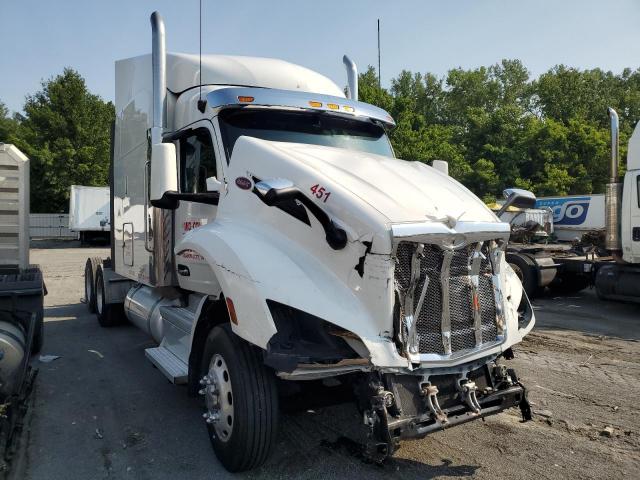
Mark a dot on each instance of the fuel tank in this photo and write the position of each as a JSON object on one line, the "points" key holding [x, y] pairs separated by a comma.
{"points": [[12, 351], [142, 307]]}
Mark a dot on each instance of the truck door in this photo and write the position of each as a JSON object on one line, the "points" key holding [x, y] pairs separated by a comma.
{"points": [[197, 162]]}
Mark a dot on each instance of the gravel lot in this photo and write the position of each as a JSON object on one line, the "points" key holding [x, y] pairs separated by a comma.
{"points": [[101, 410]]}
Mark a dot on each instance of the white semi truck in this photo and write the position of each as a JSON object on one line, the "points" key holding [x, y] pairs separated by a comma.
{"points": [[263, 233], [89, 213]]}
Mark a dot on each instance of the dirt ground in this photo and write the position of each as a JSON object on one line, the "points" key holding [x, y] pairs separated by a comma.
{"points": [[102, 411]]}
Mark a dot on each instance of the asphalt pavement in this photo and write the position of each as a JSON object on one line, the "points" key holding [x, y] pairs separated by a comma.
{"points": [[101, 410]]}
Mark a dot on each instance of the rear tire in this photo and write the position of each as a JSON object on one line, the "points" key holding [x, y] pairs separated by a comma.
{"points": [[246, 403], [569, 283], [526, 270], [109, 314], [90, 269]]}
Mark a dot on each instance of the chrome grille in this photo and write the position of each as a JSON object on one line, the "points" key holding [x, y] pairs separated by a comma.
{"points": [[467, 330]]}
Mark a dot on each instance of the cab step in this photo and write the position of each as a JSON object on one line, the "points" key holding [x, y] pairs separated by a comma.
{"points": [[171, 366]]}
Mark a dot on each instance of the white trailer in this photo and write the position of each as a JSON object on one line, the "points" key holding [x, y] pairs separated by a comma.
{"points": [[263, 229], [90, 213], [575, 215]]}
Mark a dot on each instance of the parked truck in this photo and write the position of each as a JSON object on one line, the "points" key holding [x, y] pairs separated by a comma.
{"points": [[265, 236], [90, 213], [618, 277], [21, 299], [536, 255], [603, 233]]}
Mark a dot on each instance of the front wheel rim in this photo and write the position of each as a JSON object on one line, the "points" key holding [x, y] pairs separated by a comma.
{"points": [[219, 400]]}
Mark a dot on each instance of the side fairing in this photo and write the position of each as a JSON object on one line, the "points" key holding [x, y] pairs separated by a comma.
{"points": [[253, 264], [261, 253]]}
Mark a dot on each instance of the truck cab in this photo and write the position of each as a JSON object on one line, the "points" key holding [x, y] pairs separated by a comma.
{"points": [[619, 278], [263, 229]]}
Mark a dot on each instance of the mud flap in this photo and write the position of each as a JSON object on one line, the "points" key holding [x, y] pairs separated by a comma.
{"points": [[525, 406]]}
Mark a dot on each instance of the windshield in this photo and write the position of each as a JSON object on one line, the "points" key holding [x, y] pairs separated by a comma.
{"points": [[314, 128]]}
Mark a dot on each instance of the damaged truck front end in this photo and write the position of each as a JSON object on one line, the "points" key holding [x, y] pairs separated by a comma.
{"points": [[344, 262], [457, 310], [444, 311]]}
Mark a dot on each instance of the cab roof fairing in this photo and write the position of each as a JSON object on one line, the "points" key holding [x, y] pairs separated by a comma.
{"points": [[268, 97]]}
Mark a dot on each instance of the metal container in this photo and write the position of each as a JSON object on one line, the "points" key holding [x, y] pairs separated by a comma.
{"points": [[142, 307], [14, 208]]}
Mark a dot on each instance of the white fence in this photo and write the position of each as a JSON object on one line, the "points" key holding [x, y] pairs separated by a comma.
{"points": [[50, 225]]}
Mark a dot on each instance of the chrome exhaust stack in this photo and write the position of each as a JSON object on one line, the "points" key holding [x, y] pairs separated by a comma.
{"points": [[159, 75], [352, 78], [613, 194]]}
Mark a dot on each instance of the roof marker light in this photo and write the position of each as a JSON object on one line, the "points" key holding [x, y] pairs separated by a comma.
{"points": [[245, 99], [349, 109], [315, 104], [333, 106]]}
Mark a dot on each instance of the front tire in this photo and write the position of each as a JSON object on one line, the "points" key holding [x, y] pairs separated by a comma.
{"points": [[241, 401]]}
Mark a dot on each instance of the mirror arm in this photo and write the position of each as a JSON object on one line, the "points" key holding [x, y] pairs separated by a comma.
{"points": [[506, 205], [170, 200], [336, 237]]}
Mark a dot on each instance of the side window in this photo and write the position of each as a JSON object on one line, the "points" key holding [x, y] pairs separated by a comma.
{"points": [[197, 162]]}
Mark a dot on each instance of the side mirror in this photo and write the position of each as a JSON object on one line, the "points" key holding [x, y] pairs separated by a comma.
{"points": [[275, 190], [441, 165], [213, 184], [517, 197], [164, 175]]}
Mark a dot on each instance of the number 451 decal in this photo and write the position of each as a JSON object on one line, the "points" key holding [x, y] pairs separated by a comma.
{"points": [[320, 192]]}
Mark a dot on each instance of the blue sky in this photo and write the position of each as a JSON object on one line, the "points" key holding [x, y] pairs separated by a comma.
{"points": [[39, 38]]}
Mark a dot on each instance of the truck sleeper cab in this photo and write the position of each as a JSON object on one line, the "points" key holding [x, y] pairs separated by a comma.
{"points": [[263, 229]]}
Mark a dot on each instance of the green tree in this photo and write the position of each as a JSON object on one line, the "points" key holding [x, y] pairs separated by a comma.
{"points": [[499, 128], [8, 125], [66, 133]]}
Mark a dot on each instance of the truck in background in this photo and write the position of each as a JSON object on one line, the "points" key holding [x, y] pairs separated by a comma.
{"points": [[90, 214], [21, 297], [539, 260], [604, 231], [264, 235], [575, 215], [618, 277]]}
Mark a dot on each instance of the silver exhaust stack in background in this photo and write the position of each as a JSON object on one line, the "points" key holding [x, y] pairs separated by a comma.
{"points": [[159, 73], [352, 78], [613, 194], [160, 235]]}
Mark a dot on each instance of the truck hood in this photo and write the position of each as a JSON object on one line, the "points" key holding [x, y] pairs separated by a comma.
{"points": [[402, 191]]}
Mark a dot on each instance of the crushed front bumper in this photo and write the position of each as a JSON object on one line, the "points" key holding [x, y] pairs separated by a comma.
{"points": [[408, 406]]}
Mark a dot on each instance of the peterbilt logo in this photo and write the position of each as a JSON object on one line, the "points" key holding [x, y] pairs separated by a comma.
{"points": [[243, 182], [567, 211]]}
